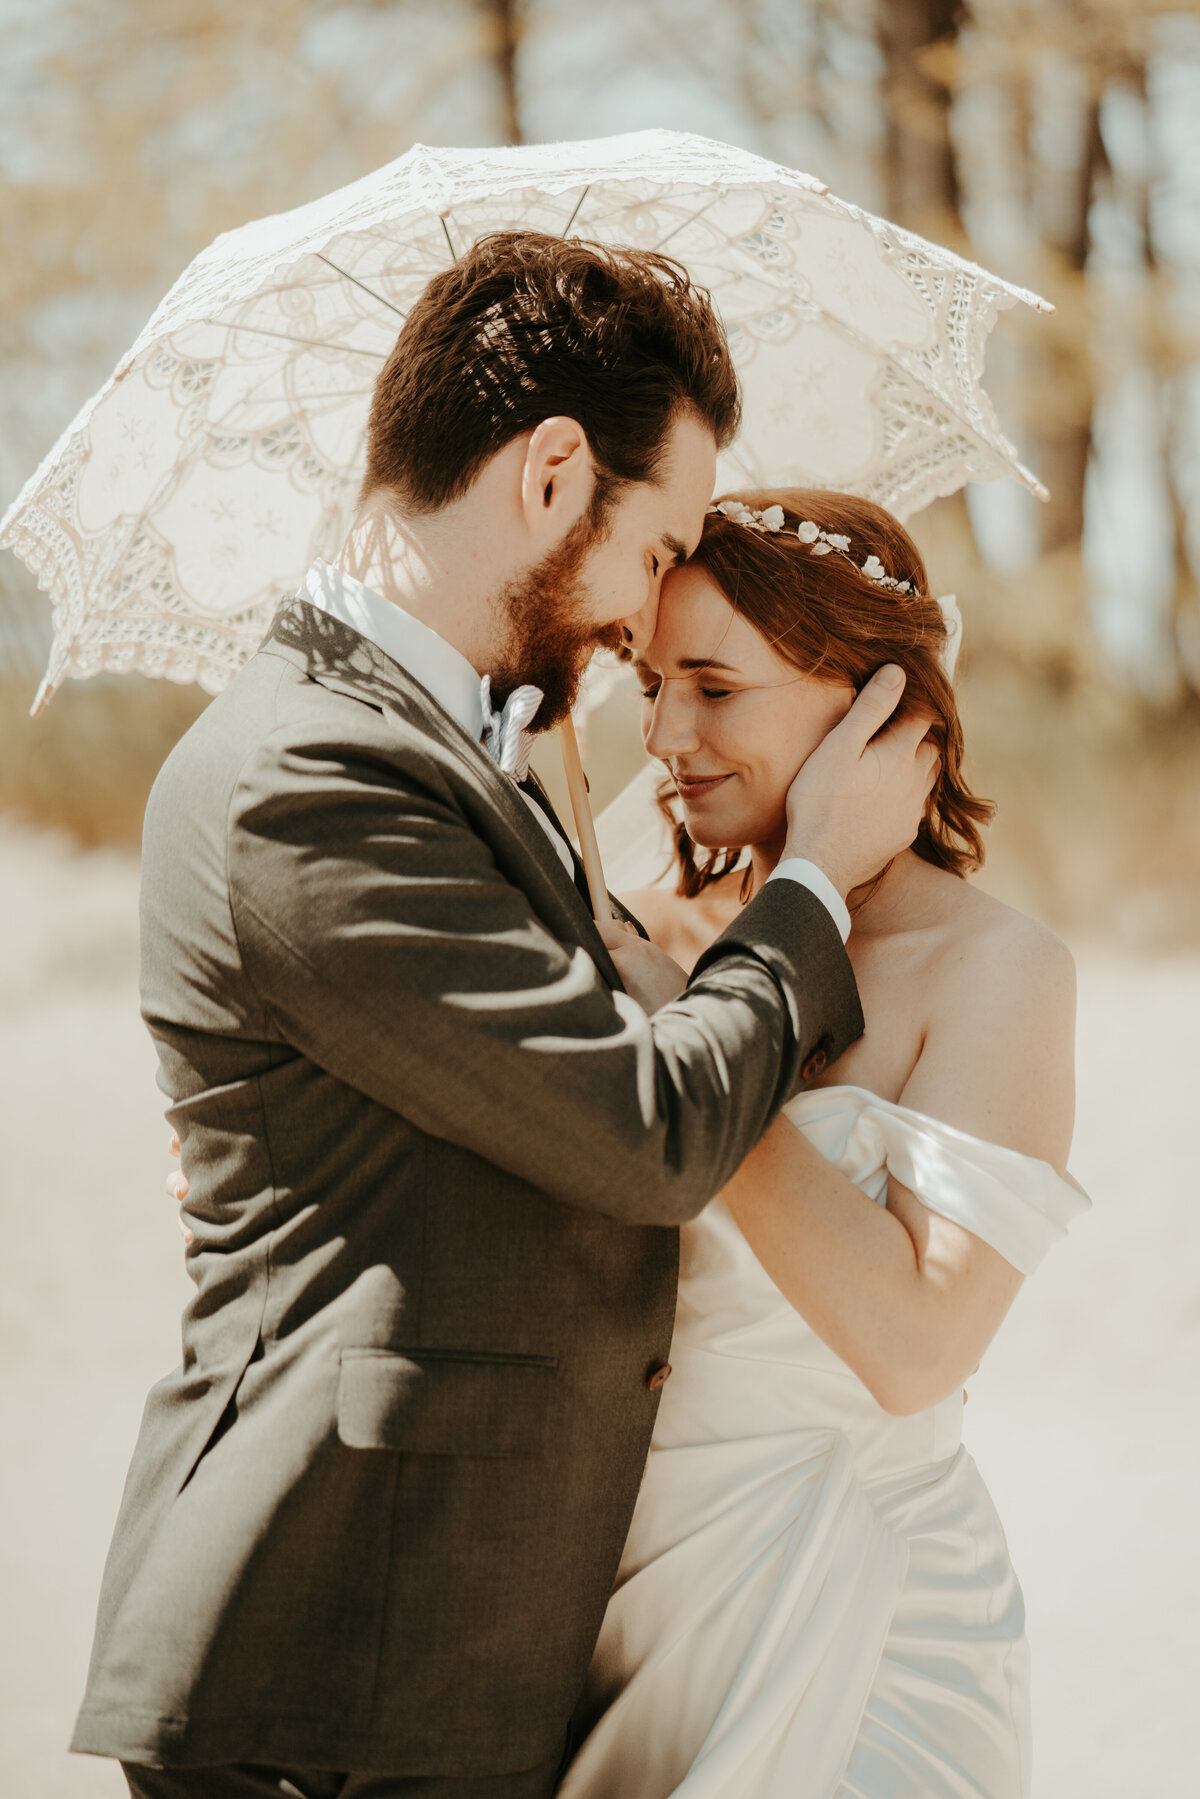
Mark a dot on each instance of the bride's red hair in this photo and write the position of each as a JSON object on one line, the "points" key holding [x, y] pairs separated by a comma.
{"points": [[825, 617]]}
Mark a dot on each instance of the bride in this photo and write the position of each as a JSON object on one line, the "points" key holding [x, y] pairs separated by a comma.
{"points": [[816, 1597]]}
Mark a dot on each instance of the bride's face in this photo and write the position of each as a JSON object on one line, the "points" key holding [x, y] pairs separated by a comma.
{"points": [[730, 718]]}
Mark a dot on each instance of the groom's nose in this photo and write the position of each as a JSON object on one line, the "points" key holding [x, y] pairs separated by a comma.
{"points": [[637, 628]]}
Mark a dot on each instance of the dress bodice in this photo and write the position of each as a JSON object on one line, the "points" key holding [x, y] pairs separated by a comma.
{"points": [[731, 1312]]}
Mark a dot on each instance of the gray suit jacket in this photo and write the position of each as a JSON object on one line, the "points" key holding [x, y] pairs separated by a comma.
{"points": [[436, 1157]]}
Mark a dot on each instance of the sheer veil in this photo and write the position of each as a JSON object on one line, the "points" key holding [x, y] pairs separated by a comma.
{"points": [[634, 837]]}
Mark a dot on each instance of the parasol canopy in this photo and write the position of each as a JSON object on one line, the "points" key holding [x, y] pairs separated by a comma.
{"points": [[191, 493]]}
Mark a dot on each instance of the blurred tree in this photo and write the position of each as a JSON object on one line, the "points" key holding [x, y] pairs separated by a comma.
{"points": [[1075, 137], [922, 185], [506, 18]]}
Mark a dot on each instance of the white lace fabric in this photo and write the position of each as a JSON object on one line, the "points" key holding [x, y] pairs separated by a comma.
{"points": [[224, 455]]}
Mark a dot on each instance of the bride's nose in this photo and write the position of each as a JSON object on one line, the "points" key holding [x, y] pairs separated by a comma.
{"points": [[670, 729]]}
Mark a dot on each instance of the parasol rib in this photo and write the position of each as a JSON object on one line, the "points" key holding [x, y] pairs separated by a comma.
{"points": [[369, 291], [691, 219], [583, 196], [310, 343]]}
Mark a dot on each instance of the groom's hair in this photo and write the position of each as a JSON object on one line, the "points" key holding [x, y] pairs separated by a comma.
{"points": [[526, 327]]}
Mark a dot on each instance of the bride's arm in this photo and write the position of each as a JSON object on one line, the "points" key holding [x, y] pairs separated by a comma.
{"points": [[907, 1298]]}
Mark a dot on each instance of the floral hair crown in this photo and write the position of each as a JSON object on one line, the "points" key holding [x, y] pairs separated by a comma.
{"points": [[819, 542]]}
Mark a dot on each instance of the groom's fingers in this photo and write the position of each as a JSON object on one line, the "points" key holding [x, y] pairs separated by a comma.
{"points": [[908, 741], [873, 707], [910, 730]]}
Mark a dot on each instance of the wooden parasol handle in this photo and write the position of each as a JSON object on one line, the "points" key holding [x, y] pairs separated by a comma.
{"points": [[589, 849]]}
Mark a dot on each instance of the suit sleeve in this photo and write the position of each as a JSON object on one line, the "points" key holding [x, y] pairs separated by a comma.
{"points": [[388, 948]]}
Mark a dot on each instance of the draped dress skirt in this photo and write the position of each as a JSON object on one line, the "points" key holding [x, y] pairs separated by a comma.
{"points": [[816, 1599]]}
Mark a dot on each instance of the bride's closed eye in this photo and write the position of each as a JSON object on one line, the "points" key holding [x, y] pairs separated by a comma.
{"points": [[718, 693], [651, 691]]}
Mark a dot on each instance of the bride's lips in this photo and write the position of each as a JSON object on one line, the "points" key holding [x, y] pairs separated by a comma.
{"points": [[696, 787]]}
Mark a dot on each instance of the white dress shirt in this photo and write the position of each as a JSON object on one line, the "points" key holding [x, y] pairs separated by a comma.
{"points": [[445, 673]]}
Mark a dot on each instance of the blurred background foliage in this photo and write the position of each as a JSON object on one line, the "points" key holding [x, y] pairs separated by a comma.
{"points": [[1057, 142]]}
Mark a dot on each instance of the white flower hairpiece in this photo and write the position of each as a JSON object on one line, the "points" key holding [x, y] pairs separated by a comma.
{"points": [[819, 542], [769, 520]]}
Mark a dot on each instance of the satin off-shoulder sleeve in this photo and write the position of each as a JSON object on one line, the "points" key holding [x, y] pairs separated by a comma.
{"points": [[1017, 1204]]}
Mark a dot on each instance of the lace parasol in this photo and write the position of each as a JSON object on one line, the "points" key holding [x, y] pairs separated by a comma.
{"points": [[193, 490]]}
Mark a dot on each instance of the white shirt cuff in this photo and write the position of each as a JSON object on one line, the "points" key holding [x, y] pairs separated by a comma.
{"points": [[795, 868]]}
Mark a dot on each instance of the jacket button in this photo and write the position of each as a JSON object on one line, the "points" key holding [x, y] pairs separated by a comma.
{"points": [[814, 1066], [658, 1377]]}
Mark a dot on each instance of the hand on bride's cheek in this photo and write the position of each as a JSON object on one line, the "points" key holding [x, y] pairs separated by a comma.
{"points": [[730, 717]]}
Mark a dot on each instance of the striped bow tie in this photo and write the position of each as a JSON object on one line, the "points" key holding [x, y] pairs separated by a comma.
{"points": [[506, 736]]}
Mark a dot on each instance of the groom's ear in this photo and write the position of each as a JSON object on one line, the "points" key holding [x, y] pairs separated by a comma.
{"points": [[557, 479]]}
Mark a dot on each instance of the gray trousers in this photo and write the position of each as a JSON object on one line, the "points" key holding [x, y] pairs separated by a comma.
{"points": [[244, 1780]]}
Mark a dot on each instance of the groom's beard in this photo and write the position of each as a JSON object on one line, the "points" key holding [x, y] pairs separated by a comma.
{"points": [[550, 640]]}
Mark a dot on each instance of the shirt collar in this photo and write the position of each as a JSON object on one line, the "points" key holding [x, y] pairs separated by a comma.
{"points": [[415, 646]]}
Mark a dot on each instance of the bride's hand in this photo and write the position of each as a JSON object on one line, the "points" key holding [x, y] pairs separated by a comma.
{"points": [[649, 974], [177, 1186]]}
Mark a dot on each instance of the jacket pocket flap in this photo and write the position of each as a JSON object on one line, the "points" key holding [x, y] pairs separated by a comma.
{"points": [[444, 1402]]}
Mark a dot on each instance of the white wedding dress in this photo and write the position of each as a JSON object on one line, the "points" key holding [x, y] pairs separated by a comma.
{"points": [[816, 1599]]}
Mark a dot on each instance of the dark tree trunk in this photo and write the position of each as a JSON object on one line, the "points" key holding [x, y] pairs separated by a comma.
{"points": [[920, 159], [504, 18]]}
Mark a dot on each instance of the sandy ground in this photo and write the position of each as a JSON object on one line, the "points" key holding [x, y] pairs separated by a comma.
{"points": [[1083, 1419]]}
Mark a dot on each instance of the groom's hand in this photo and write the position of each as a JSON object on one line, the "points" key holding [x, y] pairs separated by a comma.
{"points": [[859, 798]]}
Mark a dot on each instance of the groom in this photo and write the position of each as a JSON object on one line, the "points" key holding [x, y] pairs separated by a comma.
{"points": [[435, 1148]]}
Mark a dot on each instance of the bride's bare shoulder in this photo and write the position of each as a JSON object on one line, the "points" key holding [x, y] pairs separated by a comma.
{"points": [[998, 1051], [981, 932]]}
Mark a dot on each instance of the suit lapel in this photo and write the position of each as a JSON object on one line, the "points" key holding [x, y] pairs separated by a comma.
{"points": [[621, 911], [345, 662], [537, 793]]}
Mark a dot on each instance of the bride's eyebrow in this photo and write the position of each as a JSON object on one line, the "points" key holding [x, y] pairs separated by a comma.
{"points": [[688, 663]]}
